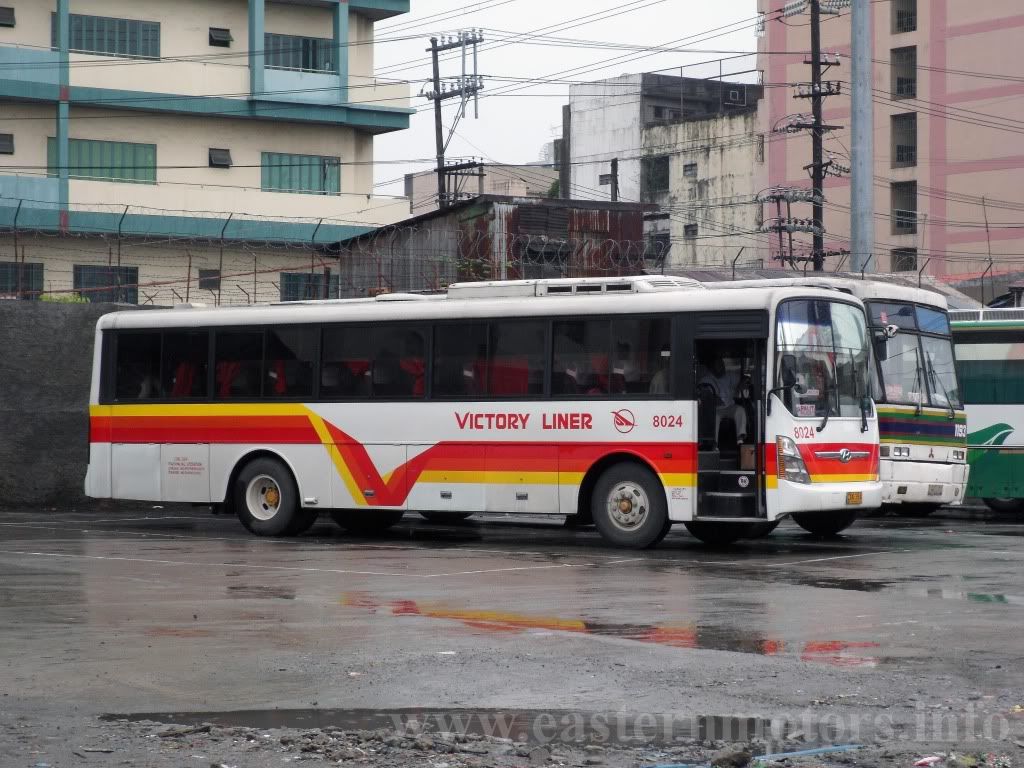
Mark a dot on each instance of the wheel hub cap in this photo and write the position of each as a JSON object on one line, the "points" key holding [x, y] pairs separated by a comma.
{"points": [[628, 506], [263, 497]]}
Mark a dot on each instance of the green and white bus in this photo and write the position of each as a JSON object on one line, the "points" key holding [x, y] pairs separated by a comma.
{"points": [[989, 346]]}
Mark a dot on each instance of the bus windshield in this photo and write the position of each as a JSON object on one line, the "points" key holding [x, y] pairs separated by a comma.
{"points": [[916, 366], [821, 358]]}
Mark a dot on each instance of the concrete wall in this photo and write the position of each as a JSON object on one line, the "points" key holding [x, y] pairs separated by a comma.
{"points": [[184, 180], [184, 33], [968, 145], [606, 123], [44, 400], [729, 154], [249, 274]]}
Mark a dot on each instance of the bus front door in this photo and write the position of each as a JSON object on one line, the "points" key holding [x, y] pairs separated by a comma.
{"points": [[729, 376]]}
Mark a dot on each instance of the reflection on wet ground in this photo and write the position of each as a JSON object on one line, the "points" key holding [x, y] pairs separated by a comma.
{"points": [[131, 612], [691, 636]]}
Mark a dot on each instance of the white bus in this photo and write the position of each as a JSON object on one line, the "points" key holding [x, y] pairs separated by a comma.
{"points": [[921, 417], [632, 402]]}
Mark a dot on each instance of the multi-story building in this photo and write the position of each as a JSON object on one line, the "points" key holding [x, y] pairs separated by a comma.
{"points": [[228, 137], [689, 146], [948, 117]]}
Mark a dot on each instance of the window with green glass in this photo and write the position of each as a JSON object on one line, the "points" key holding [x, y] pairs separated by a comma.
{"points": [[106, 160], [310, 174], [110, 36], [305, 54]]}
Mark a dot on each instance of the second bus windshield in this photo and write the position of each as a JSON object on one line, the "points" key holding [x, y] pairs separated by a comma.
{"points": [[916, 367]]}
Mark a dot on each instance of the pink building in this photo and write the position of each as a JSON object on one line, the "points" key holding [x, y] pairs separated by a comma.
{"points": [[949, 130]]}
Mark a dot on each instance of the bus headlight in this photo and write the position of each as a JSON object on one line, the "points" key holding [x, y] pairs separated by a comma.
{"points": [[791, 466], [959, 455]]}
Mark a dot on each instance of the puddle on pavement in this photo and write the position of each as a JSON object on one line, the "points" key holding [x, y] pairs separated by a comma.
{"points": [[256, 591], [842, 653], [531, 726]]}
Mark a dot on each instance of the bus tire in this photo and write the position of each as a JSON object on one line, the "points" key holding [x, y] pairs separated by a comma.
{"points": [[267, 498], [446, 517], [365, 521], [916, 510], [629, 506], [761, 530], [717, 534], [1005, 505], [824, 524], [305, 520]]}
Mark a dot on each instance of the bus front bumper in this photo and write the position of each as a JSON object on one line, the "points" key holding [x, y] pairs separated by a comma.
{"points": [[920, 482], [823, 497]]}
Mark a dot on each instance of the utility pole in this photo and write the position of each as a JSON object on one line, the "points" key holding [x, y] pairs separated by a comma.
{"points": [[615, 179], [817, 90], [817, 169], [467, 86], [438, 126], [862, 193]]}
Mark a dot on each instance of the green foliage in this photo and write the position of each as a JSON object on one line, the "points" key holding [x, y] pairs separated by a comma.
{"points": [[63, 298]]}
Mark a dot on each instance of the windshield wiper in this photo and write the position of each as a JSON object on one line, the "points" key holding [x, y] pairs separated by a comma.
{"points": [[936, 379], [918, 381]]}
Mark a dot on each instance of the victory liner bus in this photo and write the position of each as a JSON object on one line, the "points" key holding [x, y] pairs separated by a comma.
{"points": [[989, 346], [921, 417], [634, 403]]}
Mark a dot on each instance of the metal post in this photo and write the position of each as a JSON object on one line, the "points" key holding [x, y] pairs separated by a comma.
{"points": [[818, 169], [862, 195], [220, 266], [21, 269], [438, 125], [188, 277], [63, 19], [735, 260], [615, 179]]}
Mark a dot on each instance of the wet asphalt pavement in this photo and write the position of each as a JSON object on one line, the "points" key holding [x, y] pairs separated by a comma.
{"points": [[160, 614]]}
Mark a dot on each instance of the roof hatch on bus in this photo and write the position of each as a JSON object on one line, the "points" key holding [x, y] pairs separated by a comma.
{"points": [[583, 286]]}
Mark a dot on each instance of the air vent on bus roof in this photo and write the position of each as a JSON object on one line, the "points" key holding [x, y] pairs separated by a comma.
{"points": [[570, 286]]}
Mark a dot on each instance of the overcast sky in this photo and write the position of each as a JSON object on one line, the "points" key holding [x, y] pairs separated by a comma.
{"points": [[514, 128]]}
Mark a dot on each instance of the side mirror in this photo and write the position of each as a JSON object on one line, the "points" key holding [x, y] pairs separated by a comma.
{"points": [[881, 346]]}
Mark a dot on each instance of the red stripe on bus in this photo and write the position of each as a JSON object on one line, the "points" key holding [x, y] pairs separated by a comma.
{"points": [[203, 429]]}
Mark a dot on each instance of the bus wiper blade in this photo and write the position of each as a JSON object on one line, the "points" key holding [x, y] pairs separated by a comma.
{"points": [[828, 412], [934, 376]]}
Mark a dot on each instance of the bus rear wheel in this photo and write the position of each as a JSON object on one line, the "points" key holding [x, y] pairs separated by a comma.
{"points": [[366, 520], [629, 506], [1005, 505], [266, 499], [824, 524], [717, 534]]}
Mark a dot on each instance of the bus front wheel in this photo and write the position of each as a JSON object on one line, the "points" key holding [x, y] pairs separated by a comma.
{"points": [[629, 506], [1005, 505], [824, 524], [366, 520], [267, 499]]}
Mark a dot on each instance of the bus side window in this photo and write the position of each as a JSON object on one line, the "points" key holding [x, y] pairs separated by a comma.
{"points": [[138, 367], [345, 371], [291, 353], [581, 355], [516, 358], [239, 358], [399, 362], [459, 357], [642, 353], [184, 364]]}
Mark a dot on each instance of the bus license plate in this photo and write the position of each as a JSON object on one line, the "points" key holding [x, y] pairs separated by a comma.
{"points": [[934, 490], [854, 497]]}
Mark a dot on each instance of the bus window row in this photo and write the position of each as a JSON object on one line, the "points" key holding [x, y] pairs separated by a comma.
{"points": [[591, 357]]}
